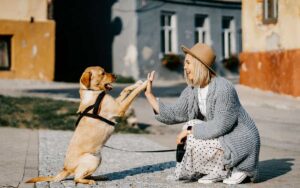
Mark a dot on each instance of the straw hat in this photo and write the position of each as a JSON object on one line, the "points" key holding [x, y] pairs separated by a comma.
{"points": [[203, 53]]}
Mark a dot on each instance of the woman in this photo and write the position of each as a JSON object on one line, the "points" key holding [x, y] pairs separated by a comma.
{"points": [[223, 144]]}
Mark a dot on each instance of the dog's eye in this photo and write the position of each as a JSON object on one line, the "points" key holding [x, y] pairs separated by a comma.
{"points": [[103, 73]]}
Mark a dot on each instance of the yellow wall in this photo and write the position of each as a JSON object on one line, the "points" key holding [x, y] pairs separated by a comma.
{"points": [[32, 49], [23, 9], [282, 36]]}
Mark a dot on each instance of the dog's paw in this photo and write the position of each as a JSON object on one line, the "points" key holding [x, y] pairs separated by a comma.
{"points": [[92, 182], [139, 82], [144, 84]]}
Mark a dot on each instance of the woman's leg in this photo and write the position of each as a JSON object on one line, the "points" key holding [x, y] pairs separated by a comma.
{"points": [[201, 157]]}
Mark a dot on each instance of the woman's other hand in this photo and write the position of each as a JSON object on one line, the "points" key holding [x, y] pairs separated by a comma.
{"points": [[180, 136]]}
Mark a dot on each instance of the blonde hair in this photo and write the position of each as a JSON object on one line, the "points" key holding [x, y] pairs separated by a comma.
{"points": [[202, 75]]}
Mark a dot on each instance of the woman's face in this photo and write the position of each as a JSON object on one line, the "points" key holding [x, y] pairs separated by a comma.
{"points": [[189, 67]]}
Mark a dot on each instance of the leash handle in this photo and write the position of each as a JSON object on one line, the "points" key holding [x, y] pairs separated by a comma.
{"points": [[137, 151]]}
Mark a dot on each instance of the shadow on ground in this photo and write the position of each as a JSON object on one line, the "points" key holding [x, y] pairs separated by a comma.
{"points": [[273, 168], [138, 170]]}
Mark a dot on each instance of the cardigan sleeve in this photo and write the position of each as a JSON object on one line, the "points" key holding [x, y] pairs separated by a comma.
{"points": [[225, 115], [174, 113]]}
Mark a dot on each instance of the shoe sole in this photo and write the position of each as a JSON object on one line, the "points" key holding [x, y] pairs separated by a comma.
{"points": [[240, 180], [210, 181]]}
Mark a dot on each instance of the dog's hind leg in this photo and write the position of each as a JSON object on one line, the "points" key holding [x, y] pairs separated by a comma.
{"points": [[88, 164]]}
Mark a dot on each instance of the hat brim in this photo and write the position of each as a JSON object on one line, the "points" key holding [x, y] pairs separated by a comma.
{"points": [[188, 51]]}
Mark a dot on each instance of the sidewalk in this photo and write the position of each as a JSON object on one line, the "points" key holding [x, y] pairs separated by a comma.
{"points": [[276, 116], [18, 156]]}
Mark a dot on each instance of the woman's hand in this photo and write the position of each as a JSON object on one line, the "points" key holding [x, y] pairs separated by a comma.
{"points": [[149, 95], [180, 136], [150, 78]]}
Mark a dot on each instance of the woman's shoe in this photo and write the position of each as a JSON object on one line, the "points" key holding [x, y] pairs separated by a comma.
{"points": [[236, 177], [210, 179]]}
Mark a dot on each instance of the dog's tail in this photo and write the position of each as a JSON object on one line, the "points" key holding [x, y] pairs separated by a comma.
{"points": [[60, 176]]}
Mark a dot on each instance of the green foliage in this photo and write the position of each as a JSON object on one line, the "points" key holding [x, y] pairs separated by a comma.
{"points": [[232, 63], [172, 61], [125, 79], [39, 113]]}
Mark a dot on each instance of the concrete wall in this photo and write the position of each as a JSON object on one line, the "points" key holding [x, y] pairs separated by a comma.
{"points": [[23, 9], [125, 44], [149, 55], [32, 49], [271, 52]]}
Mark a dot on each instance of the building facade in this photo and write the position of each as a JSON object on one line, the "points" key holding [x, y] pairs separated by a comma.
{"points": [[271, 45], [26, 40], [154, 29]]}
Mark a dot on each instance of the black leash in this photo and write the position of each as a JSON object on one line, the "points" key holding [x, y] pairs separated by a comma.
{"points": [[95, 108], [137, 151]]}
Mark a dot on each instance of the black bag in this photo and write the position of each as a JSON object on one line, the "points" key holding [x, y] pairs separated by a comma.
{"points": [[180, 152]]}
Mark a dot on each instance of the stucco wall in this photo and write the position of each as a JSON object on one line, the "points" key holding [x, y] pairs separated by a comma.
{"points": [[32, 49], [23, 9], [271, 52], [261, 37], [125, 45]]}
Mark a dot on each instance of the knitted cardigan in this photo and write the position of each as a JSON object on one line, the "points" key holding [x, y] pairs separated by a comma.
{"points": [[226, 120]]}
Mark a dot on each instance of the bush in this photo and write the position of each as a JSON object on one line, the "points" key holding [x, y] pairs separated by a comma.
{"points": [[125, 79], [172, 61], [232, 63]]}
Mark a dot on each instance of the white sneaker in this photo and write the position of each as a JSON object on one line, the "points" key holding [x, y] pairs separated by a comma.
{"points": [[210, 179], [235, 178]]}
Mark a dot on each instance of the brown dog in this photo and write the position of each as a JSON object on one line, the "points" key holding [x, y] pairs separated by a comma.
{"points": [[83, 155]]}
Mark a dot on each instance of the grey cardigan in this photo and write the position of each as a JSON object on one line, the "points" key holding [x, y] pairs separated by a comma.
{"points": [[226, 120]]}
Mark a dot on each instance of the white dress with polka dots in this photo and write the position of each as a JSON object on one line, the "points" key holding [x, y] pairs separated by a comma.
{"points": [[202, 157]]}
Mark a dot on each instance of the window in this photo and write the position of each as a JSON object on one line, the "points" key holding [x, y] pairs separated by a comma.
{"points": [[168, 32], [228, 37], [270, 11], [5, 57], [202, 33]]}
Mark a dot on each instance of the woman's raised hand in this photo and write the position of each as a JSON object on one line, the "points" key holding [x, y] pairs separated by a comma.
{"points": [[150, 78], [149, 95]]}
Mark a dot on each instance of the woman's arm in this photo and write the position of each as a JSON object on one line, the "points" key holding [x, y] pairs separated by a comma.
{"points": [[168, 113], [149, 95]]}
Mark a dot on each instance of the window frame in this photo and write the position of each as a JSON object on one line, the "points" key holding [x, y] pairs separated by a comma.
{"points": [[204, 29], [169, 41], [8, 40], [273, 17], [228, 38]]}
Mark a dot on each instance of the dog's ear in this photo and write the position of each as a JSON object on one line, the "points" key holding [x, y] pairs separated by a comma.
{"points": [[85, 79]]}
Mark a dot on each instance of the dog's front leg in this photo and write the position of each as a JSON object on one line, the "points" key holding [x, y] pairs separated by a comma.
{"points": [[124, 105], [125, 92]]}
